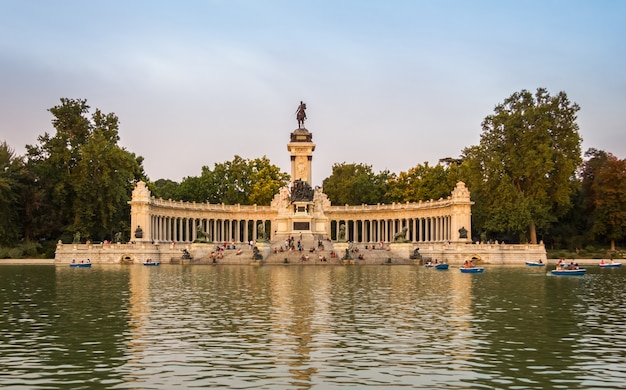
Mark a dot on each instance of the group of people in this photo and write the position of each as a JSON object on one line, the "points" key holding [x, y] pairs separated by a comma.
{"points": [[82, 261], [561, 265], [320, 257], [468, 264], [602, 262]]}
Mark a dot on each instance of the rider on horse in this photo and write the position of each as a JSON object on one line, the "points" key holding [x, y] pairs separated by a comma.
{"points": [[301, 115]]}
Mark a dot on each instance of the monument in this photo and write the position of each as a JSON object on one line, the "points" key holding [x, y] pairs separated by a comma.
{"points": [[439, 228]]}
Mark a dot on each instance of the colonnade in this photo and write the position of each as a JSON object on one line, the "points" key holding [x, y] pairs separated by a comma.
{"points": [[443, 220], [187, 229], [419, 229]]}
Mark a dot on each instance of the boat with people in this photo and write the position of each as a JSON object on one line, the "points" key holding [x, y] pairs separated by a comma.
{"points": [[609, 264], [151, 263], [571, 272], [571, 269], [472, 270], [81, 264], [436, 264], [535, 263]]}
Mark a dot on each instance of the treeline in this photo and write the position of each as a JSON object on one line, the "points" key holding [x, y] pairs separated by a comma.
{"points": [[527, 177]]}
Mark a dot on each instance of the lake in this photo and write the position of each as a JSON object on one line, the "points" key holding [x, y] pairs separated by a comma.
{"points": [[301, 327]]}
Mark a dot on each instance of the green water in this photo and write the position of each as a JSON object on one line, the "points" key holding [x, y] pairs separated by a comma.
{"points": [[299, 327]]}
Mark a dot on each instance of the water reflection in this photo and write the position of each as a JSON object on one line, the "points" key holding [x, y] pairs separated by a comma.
{"points": [[304, 327]]}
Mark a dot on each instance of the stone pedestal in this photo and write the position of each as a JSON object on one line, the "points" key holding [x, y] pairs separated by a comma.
{"points": [[347, 262], [264, 248], [401, 250], [340, 249]]}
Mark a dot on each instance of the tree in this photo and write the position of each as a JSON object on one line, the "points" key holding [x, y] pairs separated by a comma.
{"points": [[604, 186], [266, 181], [424, 182], [11, 172], [240, 181], [523, 169], [356, 184], [83, 177], [164, 188]]}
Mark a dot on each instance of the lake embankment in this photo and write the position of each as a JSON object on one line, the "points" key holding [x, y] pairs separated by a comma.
{"points": [[26, 261], [51, 261]]}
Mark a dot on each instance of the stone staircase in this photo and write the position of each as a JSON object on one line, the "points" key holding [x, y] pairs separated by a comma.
{"points": [[242, 254]]}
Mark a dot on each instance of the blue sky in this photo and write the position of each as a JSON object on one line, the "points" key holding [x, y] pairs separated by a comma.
{"points": [[391, 84]]}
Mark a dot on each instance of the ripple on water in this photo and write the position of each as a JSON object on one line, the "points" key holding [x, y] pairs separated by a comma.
{"points": [[310, 327]]}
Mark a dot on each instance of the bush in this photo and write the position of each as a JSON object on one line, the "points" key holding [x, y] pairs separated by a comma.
{"points": [[31, 249], [16, 253]]}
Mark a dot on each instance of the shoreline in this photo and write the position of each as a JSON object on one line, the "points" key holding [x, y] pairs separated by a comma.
{"points": [[26, 261], [51, 262]]}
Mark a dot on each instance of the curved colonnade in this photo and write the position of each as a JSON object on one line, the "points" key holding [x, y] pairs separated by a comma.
{"points": [[161, 221]]}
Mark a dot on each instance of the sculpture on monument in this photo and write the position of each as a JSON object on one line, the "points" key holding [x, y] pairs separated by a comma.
{"points": [[301, 191], [260, 229], [462, 232], [342, 232], [256, 254], [401, 235], [201, 235], [416, 254], [301, 115]]}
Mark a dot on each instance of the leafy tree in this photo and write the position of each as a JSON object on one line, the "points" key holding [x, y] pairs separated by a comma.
{"points": [[356, 184], [522, 173], [191, 189], [266, 181], [52, 162], [84, 179], [164, 188], [604, 185], [11, 171], [103, 179], [424, 182], [240, 181]]}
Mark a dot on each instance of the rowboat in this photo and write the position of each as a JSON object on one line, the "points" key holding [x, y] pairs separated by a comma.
{"points": [[472, 270], [441, 266], [610, 265], [534, 264], [152, 263], [569, 272], [80, 265]]}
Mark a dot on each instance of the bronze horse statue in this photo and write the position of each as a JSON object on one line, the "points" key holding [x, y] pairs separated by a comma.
{"points": [[301, 115]]}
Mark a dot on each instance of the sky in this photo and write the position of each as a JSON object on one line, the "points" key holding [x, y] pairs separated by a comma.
{"points": [[388, 83]]}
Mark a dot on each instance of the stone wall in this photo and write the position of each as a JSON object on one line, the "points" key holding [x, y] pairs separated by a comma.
{"points": [[393, 253]]}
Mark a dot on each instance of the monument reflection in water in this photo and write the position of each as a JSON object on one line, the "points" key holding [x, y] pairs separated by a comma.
{"points": [[309, 327]]}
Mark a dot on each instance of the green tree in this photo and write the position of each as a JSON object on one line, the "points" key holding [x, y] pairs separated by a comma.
{"points": [[522, 172], [424, 182], [51, 162], [240, 181], [164, 188], [266, 181], [103, 179], [604, 186], [11, 172], [356, 184], [84, 178]]}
